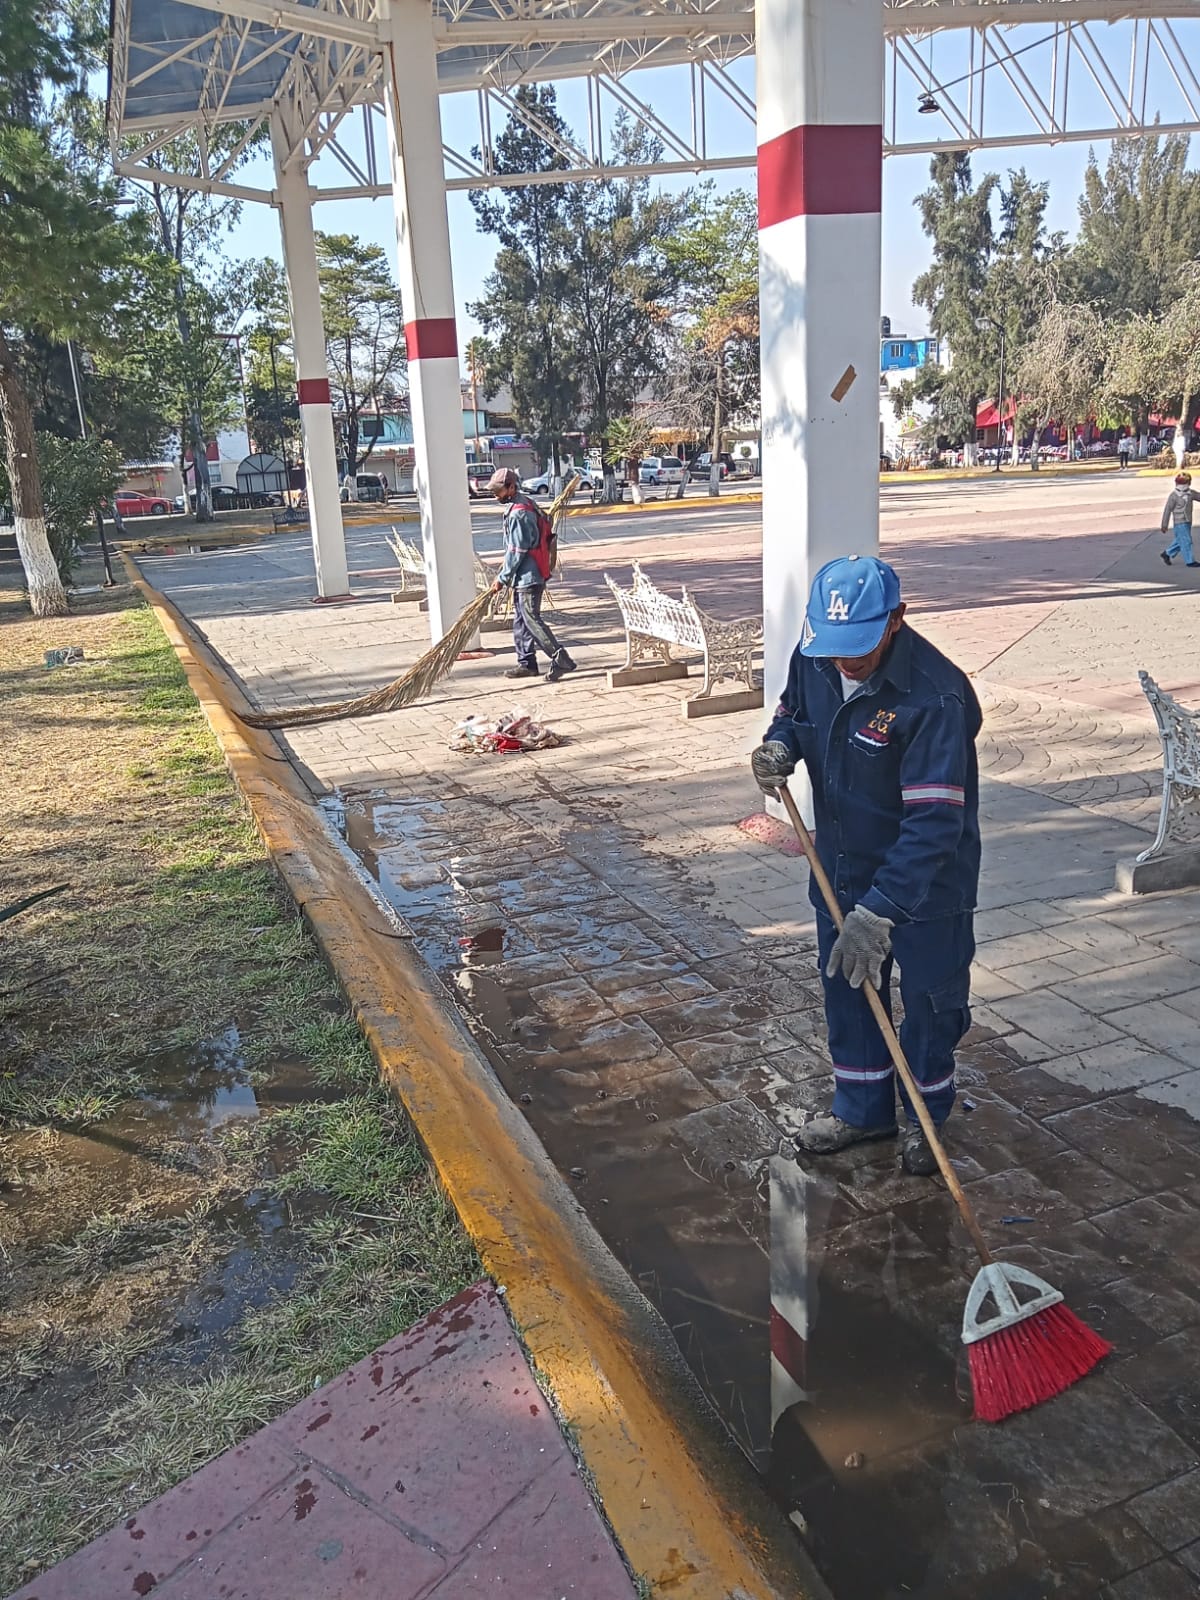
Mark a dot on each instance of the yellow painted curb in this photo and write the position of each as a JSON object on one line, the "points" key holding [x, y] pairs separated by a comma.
{"points": [[688, 1511]]}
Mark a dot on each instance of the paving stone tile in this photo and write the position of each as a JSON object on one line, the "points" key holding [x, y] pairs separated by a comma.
{"points": [[1115, 988], [547, 1544], [987, 985], [997, 1135], [691, 1018], [1001, 924], [1126, 1136], [728, 1141], [1158, 1024], [1015, 1192], [611, 1042], [1026, 976], [1161, 1580], [617, 943], [716, 1052], [1018, 949], [1189, 1558], [1026, 1048], [1057, 1023], [769, 1075], [1089, 1450], [1162, 1306], [1038, 1092], [1160, 1230], [1090, 1186], [1188, 1000], [617, 979], [1183, 1091], [570, 1003], [1170, 1512], [1112, 1068], [332, 1541]]}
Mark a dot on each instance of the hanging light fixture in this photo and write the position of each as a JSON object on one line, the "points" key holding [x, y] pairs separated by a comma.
{"points": [[927, 104]]}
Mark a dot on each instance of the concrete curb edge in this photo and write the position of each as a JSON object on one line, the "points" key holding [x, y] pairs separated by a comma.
{"points": [[687, 1509]]}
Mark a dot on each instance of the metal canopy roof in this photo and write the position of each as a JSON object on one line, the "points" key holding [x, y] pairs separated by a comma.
{"points": [[190, 65]]}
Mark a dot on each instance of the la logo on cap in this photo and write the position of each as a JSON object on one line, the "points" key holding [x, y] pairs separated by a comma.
{"points": [[838, 611]]}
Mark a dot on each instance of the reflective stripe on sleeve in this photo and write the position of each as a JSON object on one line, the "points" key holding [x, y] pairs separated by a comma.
{"points": [[916, 794]]}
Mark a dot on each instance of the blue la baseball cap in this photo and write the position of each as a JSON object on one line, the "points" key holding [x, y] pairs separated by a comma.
{"points": [[851, 601]]}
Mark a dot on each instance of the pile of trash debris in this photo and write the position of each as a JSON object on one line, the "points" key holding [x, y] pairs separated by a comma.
{"points": [[516, 731]]}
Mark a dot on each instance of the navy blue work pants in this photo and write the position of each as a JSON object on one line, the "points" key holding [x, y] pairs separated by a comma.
{"points": [[935, 981], [530, 633]]}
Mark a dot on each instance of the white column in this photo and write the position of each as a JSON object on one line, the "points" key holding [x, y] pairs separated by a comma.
{"points": [[427, 293], [820, 170], [312, 374]]}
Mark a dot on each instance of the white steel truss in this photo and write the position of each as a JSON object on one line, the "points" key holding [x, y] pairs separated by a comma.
{"points": [[960, 74]]}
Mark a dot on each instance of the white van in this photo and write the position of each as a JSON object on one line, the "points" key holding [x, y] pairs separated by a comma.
{"points": [[661, 469]]}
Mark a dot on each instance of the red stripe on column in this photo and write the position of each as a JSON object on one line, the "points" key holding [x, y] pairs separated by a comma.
{"points": [[789, 1349], [431, 338], [823, 170], [312, 391]]}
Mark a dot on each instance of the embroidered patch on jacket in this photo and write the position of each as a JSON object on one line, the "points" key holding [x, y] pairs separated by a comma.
{"points": [[877, 733]]}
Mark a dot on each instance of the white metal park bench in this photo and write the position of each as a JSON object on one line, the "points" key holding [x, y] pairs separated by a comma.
{"points": [[656, 624], [413, 582], [1179, 733]]}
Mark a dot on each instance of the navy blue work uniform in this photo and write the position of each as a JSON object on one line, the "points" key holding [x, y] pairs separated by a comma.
{"points": [[896, 805]]}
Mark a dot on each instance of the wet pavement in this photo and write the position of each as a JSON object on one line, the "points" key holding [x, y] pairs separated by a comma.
{"points": [[663, 1061], [640, 974]]}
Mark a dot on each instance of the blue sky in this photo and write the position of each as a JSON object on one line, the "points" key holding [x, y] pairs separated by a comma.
{"points": [[905, 249]]}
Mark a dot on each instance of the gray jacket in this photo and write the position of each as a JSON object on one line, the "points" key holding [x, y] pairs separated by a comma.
{"points": [[1179, 507], [519, 569]]}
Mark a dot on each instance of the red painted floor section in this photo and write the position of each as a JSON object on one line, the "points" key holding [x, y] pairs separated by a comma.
{"points": [[431, 1469]]}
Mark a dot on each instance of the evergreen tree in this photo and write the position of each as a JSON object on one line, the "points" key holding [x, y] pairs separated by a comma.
{"points": [[364, 335], [524, 305], [1139, 228]]}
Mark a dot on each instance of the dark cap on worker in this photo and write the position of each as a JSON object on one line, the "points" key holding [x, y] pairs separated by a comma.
{"points": [[852, 598], [502, 478]]}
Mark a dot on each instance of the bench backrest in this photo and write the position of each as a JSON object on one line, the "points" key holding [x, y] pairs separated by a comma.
{"points": [[406, 553], [647, 610], [1179, 730]]}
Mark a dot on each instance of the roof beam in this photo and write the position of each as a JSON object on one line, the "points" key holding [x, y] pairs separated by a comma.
{"points": [[943, 14], [291, 16]]}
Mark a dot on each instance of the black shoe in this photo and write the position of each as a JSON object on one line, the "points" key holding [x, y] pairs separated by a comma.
{"points": [[1165, 557], [1192, 563], [825, 1134], [521, 672], [917, 1158], [559, 667]]}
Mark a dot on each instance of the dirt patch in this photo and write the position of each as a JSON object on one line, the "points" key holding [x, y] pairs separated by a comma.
{"points": [[207, 1205]]}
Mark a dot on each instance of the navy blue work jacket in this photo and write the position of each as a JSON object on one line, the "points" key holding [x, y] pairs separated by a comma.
{"points": [[895, 779]]}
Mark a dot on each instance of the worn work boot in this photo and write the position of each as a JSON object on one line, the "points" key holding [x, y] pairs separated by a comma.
{"points": [[559, 667], [825, 1134], [917, 1159], [521, 671]]}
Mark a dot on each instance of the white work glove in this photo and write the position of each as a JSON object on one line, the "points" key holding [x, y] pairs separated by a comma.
{"points": [[772, 764], [861, 948]]}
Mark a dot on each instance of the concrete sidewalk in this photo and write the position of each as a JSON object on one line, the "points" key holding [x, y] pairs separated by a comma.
{"points": [[639, 971], [432, 1470]]}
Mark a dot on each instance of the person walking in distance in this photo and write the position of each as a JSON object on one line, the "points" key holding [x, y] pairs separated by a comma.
{"points": [[528, 562], [886, 727], [1177, 515], [1123, 451]]}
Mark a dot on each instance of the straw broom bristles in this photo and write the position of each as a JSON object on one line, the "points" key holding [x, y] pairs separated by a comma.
{"points": [[420, 678]]}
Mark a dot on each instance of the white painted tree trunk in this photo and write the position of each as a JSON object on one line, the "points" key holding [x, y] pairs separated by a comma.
{"points": [[47, 597], [969, 454], [1179, 445]]}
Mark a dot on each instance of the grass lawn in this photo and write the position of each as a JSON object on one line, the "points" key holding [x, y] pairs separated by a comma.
{"points": [[207, 1204]]}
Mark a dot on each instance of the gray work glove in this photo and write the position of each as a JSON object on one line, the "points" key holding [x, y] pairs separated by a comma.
{"points": [[862, 947], [772, 764]]}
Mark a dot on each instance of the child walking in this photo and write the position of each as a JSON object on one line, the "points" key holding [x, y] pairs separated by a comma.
{"points": [[1177, 514]]}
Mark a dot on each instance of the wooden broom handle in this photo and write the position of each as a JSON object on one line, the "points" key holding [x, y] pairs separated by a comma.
{"points": [[970, 1222]]}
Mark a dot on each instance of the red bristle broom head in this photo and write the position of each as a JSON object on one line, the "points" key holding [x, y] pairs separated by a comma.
{"points": [[1028, 1352]]}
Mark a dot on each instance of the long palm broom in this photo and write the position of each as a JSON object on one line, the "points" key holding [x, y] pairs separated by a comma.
{"points": [[1030, 1348], [420, 678]]}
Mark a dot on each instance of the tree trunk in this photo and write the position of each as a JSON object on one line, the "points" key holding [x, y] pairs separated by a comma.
{"points": [[633, 471], [47, 596]]}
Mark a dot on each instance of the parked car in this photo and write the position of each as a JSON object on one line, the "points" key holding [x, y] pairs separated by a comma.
{"points": [[655, 470], [133, 503], [226, 498], [478, 473], [368, 486], [544, 482], [701, 467]]}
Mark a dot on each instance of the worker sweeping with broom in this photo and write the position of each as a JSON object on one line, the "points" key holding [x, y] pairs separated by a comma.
{"points": [[886, 727], [528, 563]]}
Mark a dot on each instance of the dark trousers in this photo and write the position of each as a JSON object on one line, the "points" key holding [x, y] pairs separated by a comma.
{"points": [[530, 633], [935, 983]]}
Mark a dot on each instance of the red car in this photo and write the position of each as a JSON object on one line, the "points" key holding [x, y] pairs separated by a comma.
{"points": [[132, 503]]}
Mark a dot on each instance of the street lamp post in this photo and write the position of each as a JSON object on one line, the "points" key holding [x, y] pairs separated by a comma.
{"points": [[109, 581]]}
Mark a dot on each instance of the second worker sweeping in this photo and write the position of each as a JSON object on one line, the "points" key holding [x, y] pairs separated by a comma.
{"points": [[528, 561], [886, 727]]}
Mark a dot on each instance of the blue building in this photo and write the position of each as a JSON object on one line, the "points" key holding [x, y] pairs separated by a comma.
{"points": [[898, 354]]}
